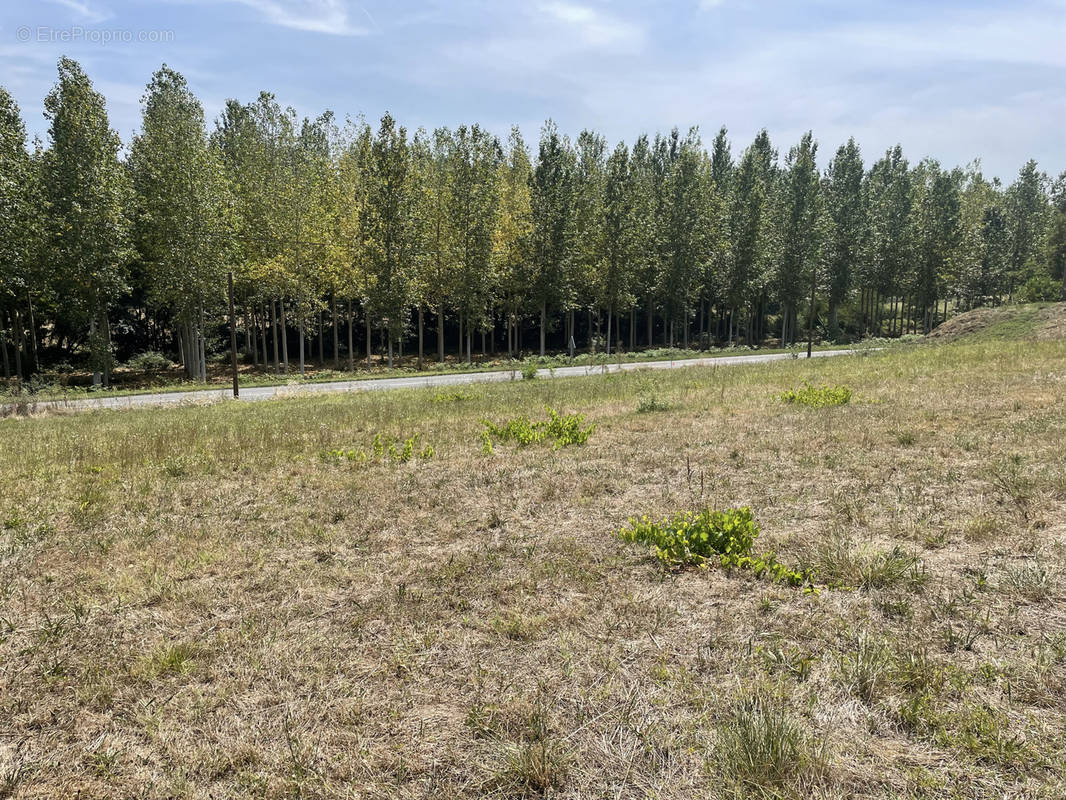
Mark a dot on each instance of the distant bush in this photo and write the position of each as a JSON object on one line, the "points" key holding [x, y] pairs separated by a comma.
{"points": [[529, 371], [817, 396], [1040, 288], [150, 361], [560, 429], [698, 539]]}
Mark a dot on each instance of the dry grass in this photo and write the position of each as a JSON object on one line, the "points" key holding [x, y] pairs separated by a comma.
{"points": [[194, 603], [1046, 321]]}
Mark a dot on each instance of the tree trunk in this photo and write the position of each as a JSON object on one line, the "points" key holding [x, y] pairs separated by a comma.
{"points": [[265, 320], [351, 337], [368, 342], [302, 334], [284, 338], [33, 334], [274, 329], [440, 332], [249, 337], [420, 338], [650, 322], [3, 348], [610, 314], [203, 345], [321, 342], [543, 323], [18, 344], [336, 334]]}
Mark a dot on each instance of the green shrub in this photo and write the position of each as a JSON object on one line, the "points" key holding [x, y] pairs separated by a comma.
{"points": [[817, 396], [560, 429], [529, 371], [150, 361], [1040, 288], [698, 539]]}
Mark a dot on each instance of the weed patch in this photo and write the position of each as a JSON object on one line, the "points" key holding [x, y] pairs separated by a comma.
{"points": [[559, 429], [698, 539], [383, 450], [817, 396]]}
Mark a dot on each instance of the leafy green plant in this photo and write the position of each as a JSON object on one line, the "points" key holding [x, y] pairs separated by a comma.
{"points": [[383, 449], [559, 429], [817, 396], [529, 371], [698, 539]]}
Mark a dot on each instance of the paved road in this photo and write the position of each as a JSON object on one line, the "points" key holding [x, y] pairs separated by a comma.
{"points": [[381, 384]]}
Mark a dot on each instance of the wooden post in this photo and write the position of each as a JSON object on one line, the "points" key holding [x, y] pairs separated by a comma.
{"points": [[233, 337]]}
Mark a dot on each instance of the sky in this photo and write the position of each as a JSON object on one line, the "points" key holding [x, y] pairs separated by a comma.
{"points": [[947, 79]]}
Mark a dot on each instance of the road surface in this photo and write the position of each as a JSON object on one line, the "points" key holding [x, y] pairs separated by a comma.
{"points": [[382, 384]]}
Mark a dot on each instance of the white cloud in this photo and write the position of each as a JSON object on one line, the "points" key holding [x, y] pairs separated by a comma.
{"points": [[593, 28], [84, 11], [316, 16]]}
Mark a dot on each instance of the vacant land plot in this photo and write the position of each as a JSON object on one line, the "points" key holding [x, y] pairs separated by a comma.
{"points": [[379, 596]]}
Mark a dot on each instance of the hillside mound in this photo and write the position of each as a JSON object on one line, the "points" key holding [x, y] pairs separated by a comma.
{"points": [[1030, 321]]}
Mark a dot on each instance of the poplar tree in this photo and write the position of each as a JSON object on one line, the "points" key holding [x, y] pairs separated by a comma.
{"points": [[619, 239], [890, 246], [472, 206], [433, 174], [180, 223], [1027, 213], [587, 241], [645, 201], [687, 215], [751, 235], [513, 234], [937, 235], [388, 232], [800, 224], [552, 202], [847, 227], [85, 190], [1056, 240], [20, 229]]}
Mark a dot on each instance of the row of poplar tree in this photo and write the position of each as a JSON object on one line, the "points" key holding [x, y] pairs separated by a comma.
{"points": [[346, 235]]}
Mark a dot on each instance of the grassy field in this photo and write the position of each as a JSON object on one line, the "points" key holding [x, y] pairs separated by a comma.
{"points": [[239, 601]]}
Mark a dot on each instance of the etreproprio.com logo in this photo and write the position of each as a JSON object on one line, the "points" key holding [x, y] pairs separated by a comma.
{"points": [[78, 34]]}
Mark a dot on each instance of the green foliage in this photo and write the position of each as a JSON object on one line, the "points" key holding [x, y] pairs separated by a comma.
{"points": [[149, 361], [455, 396], [529, 371], [383, 449], [1040, 287], [559, 429], [651, 402], [817, 396], [698, 539]]}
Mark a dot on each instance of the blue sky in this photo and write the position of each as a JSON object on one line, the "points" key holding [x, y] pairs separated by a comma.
{"points": [[951, 80]]}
